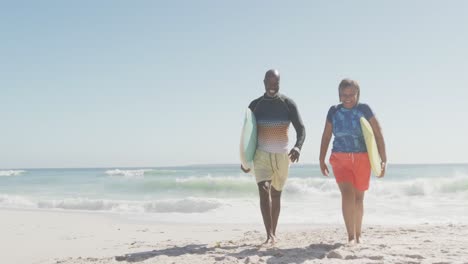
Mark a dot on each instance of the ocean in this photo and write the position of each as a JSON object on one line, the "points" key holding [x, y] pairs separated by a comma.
{"points": [[408, 194]]}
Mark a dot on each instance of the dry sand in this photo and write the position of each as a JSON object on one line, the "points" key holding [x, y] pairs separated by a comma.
{"points": [[39, 237]]}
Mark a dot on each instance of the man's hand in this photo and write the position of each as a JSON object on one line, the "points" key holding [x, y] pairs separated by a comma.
{"points": [[245, 170], [294, 155]]}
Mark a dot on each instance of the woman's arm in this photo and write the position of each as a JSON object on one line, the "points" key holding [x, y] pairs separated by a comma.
{"points": [[326, 137], [380, 142]]}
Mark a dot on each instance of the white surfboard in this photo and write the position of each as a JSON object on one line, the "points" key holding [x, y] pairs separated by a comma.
{"points": [[248, 141]]}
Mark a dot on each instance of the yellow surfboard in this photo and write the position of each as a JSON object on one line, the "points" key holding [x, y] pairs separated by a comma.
{"points": [[371, 144]]}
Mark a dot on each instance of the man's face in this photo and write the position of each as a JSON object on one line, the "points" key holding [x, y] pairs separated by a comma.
{"points": [[271, 85]]}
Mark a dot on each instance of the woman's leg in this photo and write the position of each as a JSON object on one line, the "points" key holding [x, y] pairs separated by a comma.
{"points": [[348, 207], [359, 212]]}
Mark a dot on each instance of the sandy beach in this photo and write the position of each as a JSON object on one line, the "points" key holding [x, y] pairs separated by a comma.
{"points": [[128, 128], [32, 236]]}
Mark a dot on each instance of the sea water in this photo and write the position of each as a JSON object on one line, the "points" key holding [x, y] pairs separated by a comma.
{"points": [[408, 194]]}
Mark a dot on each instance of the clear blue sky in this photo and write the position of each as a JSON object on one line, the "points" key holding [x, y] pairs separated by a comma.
{"points": [[156, 83]]}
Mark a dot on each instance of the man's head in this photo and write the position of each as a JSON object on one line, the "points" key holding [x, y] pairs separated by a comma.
{"points": [[271, 82]]}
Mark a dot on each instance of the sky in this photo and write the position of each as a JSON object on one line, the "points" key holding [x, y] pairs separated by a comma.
{"points": [[167, 83]]}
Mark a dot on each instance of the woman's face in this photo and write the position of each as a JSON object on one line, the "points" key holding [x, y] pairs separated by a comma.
{"points": [[348, 96]]}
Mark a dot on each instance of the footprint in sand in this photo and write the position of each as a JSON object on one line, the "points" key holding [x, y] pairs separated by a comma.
{"points": [[414, 256], [219, 258], [375, 257], [334, 255], [253, 259], [278, 255]]}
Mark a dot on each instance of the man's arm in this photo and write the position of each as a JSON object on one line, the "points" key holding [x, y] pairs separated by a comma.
{"points": [[296, 120]]}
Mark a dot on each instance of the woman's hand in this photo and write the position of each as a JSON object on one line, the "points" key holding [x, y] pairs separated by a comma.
{"points": [[383, 164], [324, 168]]}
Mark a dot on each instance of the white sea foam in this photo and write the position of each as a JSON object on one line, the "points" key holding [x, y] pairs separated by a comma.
{"points": [[11, 172], [15, 201], [140, 173], [128, 173], [187, 205], [440, 186]]}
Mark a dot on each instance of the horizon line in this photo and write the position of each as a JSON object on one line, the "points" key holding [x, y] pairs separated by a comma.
{"points": [[208, 164]]}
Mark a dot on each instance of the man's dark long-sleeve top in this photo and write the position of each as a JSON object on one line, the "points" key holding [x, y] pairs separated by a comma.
{"points": [[273, 115]]}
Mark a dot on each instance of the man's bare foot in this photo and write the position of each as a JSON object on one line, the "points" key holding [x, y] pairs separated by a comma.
{"points": [[270, 239], [267, 240], [274, 239]]}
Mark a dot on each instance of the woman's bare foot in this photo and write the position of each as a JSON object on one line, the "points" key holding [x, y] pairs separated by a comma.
{"points": [[351, 241]]}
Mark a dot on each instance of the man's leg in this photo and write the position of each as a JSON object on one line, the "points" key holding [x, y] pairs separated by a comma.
{"points": [[265, 206], [275, 210]]}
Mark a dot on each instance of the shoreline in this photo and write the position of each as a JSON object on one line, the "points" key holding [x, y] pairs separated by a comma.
{"points": [[36, 236]]}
